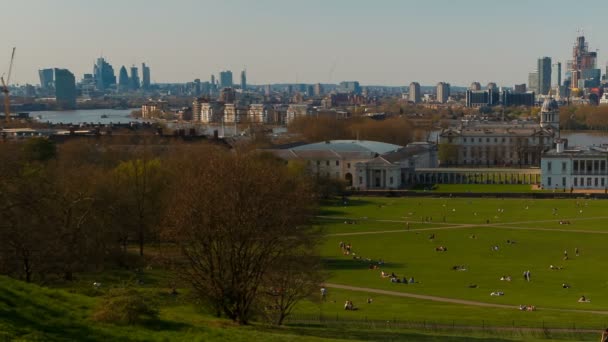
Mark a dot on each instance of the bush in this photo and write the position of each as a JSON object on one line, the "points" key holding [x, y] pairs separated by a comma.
{"points": [[124, 306]]}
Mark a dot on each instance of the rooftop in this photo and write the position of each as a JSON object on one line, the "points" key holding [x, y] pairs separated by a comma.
{"points": [[349, 146]]}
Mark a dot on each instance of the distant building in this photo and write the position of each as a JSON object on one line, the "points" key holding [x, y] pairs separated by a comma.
{"points": [[47, 79], [145, 76], [475, 86], [149, 108], [297, 110], [318, 91], [123, 79], [212, 112], [533, 82], [65, 89], [577, 168], [227, 95], [519, 88], [103, 74], [481, 98], [226, 79], [244, 80], [544, 75], [492, 87], [443, 92], [351, 87], [415, 95], [258, 113], [512, 98], [134, 83]]}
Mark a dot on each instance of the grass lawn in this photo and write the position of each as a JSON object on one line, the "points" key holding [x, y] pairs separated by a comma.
{"points": [[539, 243]]}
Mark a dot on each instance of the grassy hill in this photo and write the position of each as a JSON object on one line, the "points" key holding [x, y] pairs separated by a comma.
{"points": [[33, 313]]}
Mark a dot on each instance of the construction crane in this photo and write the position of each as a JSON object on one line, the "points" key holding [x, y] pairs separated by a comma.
{"points": [[5, 90]]}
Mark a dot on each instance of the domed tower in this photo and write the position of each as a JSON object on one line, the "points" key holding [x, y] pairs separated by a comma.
{"points": [[549, 115]]}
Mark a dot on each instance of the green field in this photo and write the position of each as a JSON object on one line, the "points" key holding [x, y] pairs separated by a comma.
{"points": [[432, 309], [469, 228]]}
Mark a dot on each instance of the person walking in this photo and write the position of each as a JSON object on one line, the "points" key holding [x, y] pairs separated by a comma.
{"points": [[604, 336], [323, 293]]}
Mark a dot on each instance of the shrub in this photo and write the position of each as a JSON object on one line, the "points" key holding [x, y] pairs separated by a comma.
{"points": [[124, 306]]}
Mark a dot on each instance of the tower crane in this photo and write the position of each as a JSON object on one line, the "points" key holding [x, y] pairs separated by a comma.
{"points": [[5, 90]]}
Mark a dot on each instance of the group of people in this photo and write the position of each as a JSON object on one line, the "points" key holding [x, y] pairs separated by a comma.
{"points": [[348, 305], [346, 248], [395, 279], [527, 308]]}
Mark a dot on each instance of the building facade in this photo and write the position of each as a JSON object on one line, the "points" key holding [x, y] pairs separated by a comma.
{"points": [[573, 169], [65, 89], [443, 92], [415, 95], [544, 75]]}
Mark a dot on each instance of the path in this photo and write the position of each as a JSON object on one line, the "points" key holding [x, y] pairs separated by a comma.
{"points": [[504, 225], [449, 300]]}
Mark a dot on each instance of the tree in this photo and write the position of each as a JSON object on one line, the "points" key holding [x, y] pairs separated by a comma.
{"points": [[292, 280], [234, 217], [138, 193]]}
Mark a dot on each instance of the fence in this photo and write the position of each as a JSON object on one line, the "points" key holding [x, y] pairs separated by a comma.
{"points": [[522, 326]]}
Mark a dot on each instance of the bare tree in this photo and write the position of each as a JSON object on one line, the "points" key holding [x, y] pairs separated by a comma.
{"points": [[234, 217]]}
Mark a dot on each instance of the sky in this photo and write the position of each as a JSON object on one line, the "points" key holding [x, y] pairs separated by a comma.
{"points": [[380, 42]]}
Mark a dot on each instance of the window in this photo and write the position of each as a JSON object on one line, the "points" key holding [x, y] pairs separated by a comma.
{"points": [[495, 139], [337, 163], [575, 181], [575, 166], [603, 182], [564, 182], [348, 165], [549, 166], [390, 180], [596, 165], [603, 165], [479, 139], [327, 162], [588, 181], [503, 139], [548, 181], [563, 166], [360, 180], [318, 162], [487, 139], [595, 182]]}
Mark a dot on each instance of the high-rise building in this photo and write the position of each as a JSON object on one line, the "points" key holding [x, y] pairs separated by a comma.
{"points": [[559, 74], [145, 76], [350, 87], [244, 80], [443, 92], [123, 79], [318, 90], [475, 86], [582, 62], [47, 80], [414, 95], [544, 75], [65, 89], [492, 86], [134, 83], [226, 79], [533, 82], [104, 74]]}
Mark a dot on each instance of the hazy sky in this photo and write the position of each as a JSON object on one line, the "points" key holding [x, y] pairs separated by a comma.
{"points": [[390, 42]]}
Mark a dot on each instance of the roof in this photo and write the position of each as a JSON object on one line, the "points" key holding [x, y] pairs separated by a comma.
{"points": [[575, 151], [349, 146]]}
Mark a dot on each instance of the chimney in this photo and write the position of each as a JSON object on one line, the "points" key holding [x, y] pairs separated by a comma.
{"points": [[559, 145]]}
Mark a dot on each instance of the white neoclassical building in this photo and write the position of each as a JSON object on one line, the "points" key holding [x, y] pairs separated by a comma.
{"points": [[575, 168]]}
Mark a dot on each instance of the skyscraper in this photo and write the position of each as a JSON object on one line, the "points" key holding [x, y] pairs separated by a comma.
{"points": [[46, 78], [544, 75], [123, 79], [65, 89], [582, 68], [533, 82], [244, 80], [443, 92], [414, 92], [134, 83], [475, 86], [226, 79], [145, 76], [103, 74]]}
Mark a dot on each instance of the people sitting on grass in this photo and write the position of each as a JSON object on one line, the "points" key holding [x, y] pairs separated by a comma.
{"points": [[555, 268], [411, 281], [506, 278], [459, 268], [441, 249], [564, 222], [384, 274], [349, 306], [527, 308], [497, 294], [373, 267], [565, 286], [584, 299], [473, 286]]}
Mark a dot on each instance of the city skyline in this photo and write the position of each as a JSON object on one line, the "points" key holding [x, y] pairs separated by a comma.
{"points": [[386, 43]]}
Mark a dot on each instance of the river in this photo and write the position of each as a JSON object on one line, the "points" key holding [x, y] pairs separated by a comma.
{"points": [[85, 116]]}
